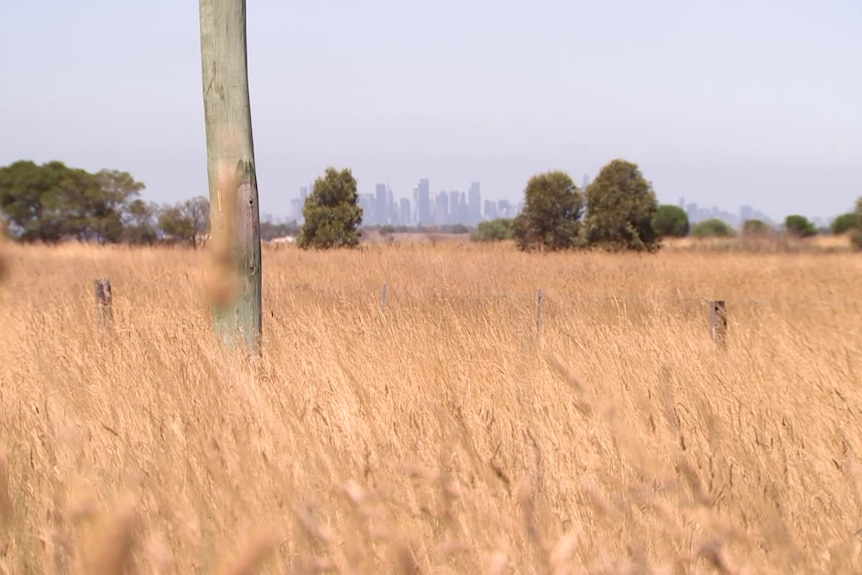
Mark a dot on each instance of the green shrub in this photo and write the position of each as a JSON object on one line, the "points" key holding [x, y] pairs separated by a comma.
{"points": [[756, 228], [712, 228], [845, 223], [671, 221], [799, 226], [493, 231]]}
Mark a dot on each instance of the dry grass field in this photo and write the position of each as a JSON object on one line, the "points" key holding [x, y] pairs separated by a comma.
{"points": [[439, 434]]}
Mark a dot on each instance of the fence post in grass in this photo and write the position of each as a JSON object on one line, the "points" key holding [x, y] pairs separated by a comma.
{"points": [[718, 322], [383, 298], [104, 302], [539, 314]]}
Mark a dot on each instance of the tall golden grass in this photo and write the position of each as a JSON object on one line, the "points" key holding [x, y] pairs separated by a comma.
{"points": [[439, 434], [4, 256]]}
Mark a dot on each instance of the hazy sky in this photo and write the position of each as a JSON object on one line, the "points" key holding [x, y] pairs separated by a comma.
{"points": [[731, 102]]}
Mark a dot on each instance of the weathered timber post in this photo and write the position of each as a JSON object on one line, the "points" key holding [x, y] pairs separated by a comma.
{"points": [[104, 302], [539, 314], [718, 322], [383, 298], [234, 210]]}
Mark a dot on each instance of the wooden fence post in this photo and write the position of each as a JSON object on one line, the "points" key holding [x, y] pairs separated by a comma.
{"points": [[383, 298], [539, 314], [718, 322], [104, 301]]}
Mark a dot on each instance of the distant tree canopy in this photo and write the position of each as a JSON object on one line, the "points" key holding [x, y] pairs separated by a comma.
{"points": [[550, 219], [493, 230], [712, 228], [53, 202], [332, 213], [621, 207], [799, 226], [186, 221], [671, 221], [756, 228], [845, 223], [270, 231]]}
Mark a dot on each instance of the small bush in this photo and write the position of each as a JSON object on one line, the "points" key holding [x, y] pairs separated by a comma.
{"points": [[712, 228], [671, 221], [799, 226], [845, 223], [756, 228], [493, 231]]}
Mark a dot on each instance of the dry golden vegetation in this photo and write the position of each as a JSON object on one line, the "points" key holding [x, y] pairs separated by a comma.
{"points": [[438, 434]]}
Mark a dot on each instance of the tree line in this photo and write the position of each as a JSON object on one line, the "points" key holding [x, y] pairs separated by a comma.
{"points": [[618, 210], [53, 202]]}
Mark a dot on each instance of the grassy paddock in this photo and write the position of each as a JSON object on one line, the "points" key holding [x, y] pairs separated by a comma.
{"points": [[438, 433]]}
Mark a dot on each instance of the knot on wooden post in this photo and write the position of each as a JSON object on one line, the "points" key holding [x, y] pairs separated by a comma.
{"points": [[718, 322], [104, 302]]}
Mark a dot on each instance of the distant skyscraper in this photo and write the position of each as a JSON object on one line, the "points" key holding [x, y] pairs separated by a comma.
{"points": [[296, 210], [455, 207], [404, 212], [490, 210], [474, 203], [381, 209], [422, 196], [441, 209]]}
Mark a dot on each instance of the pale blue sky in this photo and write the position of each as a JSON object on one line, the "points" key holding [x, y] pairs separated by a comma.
{"points": [[722, 102]]}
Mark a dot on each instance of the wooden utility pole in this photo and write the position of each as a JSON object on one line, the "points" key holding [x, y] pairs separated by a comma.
{"points": [[234, 210]]}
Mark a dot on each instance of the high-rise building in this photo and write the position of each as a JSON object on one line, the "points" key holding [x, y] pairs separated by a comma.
{"points": [[381, 208], [490, 212], [474, 202], [455, 207], [441, 209], [296, 210], [422, 197], [404, 217]]}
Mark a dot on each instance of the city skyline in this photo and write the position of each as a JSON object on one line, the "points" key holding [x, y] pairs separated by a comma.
{"points": [[423, 207]]}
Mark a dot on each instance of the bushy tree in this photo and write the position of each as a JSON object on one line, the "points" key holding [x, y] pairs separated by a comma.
{"points": [[799, 226], [493, 230], [671, 221], [712, 228], [139, 223], [756, 228], [332, 213], [550, 219], [845, 223], [52, 201], [621, 205], [186, 221]]}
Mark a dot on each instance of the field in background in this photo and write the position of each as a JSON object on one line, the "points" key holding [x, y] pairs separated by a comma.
{"points": [[438, 434]]}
